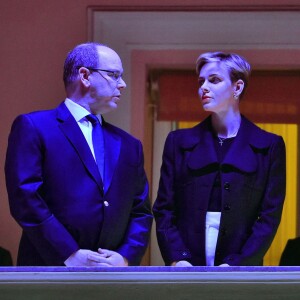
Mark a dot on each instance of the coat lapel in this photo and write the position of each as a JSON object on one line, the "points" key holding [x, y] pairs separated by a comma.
{"points": [[112, 152], [241, 154], [200, 143], [73, 133], [249, 140]]}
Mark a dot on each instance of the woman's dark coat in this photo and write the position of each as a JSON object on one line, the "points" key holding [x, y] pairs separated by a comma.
{"points": [[253, 191]]}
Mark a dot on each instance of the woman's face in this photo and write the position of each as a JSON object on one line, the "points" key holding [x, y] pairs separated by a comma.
{"points": [[216, 90]]}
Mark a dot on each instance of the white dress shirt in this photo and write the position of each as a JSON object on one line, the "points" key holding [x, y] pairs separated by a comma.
{"points": [[79, 113]]}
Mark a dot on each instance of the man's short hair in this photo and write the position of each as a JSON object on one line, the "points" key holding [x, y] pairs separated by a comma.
{"points": [[83, 55]]}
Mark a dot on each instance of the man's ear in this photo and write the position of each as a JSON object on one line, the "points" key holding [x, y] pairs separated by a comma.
{"points": [[84, 74], [238, 87]]}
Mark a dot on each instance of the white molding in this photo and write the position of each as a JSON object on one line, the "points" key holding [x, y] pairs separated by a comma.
{"points": [[164, 283], [126, 31]]}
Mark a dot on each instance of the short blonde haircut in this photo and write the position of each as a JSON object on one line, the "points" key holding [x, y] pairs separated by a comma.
{"points": [[237, 66]]}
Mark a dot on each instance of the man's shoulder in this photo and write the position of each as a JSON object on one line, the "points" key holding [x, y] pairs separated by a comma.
{"points": [[38, 119], [40, 115]]}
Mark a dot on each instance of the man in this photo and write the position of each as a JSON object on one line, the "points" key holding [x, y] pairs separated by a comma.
{"points": [[74, 211]]}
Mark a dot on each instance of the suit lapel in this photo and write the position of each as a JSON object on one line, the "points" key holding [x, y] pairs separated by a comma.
{"points": [[112, 152], [73, 133]]}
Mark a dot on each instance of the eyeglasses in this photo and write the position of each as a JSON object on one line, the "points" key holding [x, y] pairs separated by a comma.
{"points": [[115, 75]]}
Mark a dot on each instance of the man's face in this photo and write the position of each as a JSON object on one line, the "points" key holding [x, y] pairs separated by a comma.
{"points": [[106, 86]]}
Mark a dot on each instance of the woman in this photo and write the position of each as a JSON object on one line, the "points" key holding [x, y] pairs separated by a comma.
{"points": [[222, 184]]}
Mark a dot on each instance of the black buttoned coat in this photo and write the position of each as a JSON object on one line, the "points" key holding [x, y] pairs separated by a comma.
{"points": [[253, 180]]}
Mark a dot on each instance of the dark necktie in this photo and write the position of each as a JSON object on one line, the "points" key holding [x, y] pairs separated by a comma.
{"points": [[98, 143]]}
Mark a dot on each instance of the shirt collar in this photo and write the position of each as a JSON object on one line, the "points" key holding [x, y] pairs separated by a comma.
{"points": [[78, 112]]}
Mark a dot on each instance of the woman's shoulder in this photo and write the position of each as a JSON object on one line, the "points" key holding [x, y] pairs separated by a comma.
{"points": [[189, 137], [202, 126], [258, 135]]}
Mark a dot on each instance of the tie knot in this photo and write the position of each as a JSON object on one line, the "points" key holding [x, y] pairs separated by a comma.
{"points": [[93, 119]]}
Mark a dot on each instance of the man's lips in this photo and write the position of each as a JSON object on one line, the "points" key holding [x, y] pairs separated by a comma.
{"points": [[116, 98]]}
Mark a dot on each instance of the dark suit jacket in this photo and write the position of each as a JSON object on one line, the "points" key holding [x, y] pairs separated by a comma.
{"points": [[253, 180], [291, 253], [56, 192]]}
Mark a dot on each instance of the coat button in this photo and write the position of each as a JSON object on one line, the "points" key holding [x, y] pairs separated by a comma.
{"points": [[227, 186], [227, 207], [106, 203], [184, 254]]}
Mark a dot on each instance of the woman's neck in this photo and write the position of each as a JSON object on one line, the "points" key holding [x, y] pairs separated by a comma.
{"points": [[227, 124]]}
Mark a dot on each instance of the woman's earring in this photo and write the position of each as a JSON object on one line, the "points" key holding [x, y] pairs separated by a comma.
{"points": [[235, 96]]}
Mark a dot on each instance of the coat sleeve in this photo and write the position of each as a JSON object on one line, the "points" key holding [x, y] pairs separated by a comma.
{"points": [[169, 238], [24, 181], [265, 227], [140, 221]]}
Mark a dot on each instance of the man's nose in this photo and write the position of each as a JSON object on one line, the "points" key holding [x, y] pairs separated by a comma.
{"points": [[121, 83]]}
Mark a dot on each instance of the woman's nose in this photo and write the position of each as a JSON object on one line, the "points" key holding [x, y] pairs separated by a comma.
{"points": [[204, 86]]}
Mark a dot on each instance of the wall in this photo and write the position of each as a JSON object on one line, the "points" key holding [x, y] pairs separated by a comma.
{"points": [[35, 37]]}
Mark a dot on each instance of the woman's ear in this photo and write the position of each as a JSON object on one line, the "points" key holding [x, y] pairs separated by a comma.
{"points": [[238, 88], [84, 76]]}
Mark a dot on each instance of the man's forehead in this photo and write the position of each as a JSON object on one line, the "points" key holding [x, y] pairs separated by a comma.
{"points": [[106, 52]]}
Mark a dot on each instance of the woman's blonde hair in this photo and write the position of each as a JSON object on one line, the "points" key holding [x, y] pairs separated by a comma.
{"points": [[237, 66]]}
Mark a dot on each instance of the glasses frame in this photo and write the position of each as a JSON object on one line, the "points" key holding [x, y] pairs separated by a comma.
{"points": [[116, 75]]}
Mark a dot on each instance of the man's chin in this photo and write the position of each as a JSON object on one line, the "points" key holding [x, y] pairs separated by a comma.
{"points": [[116, 99], [113, 106]]}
